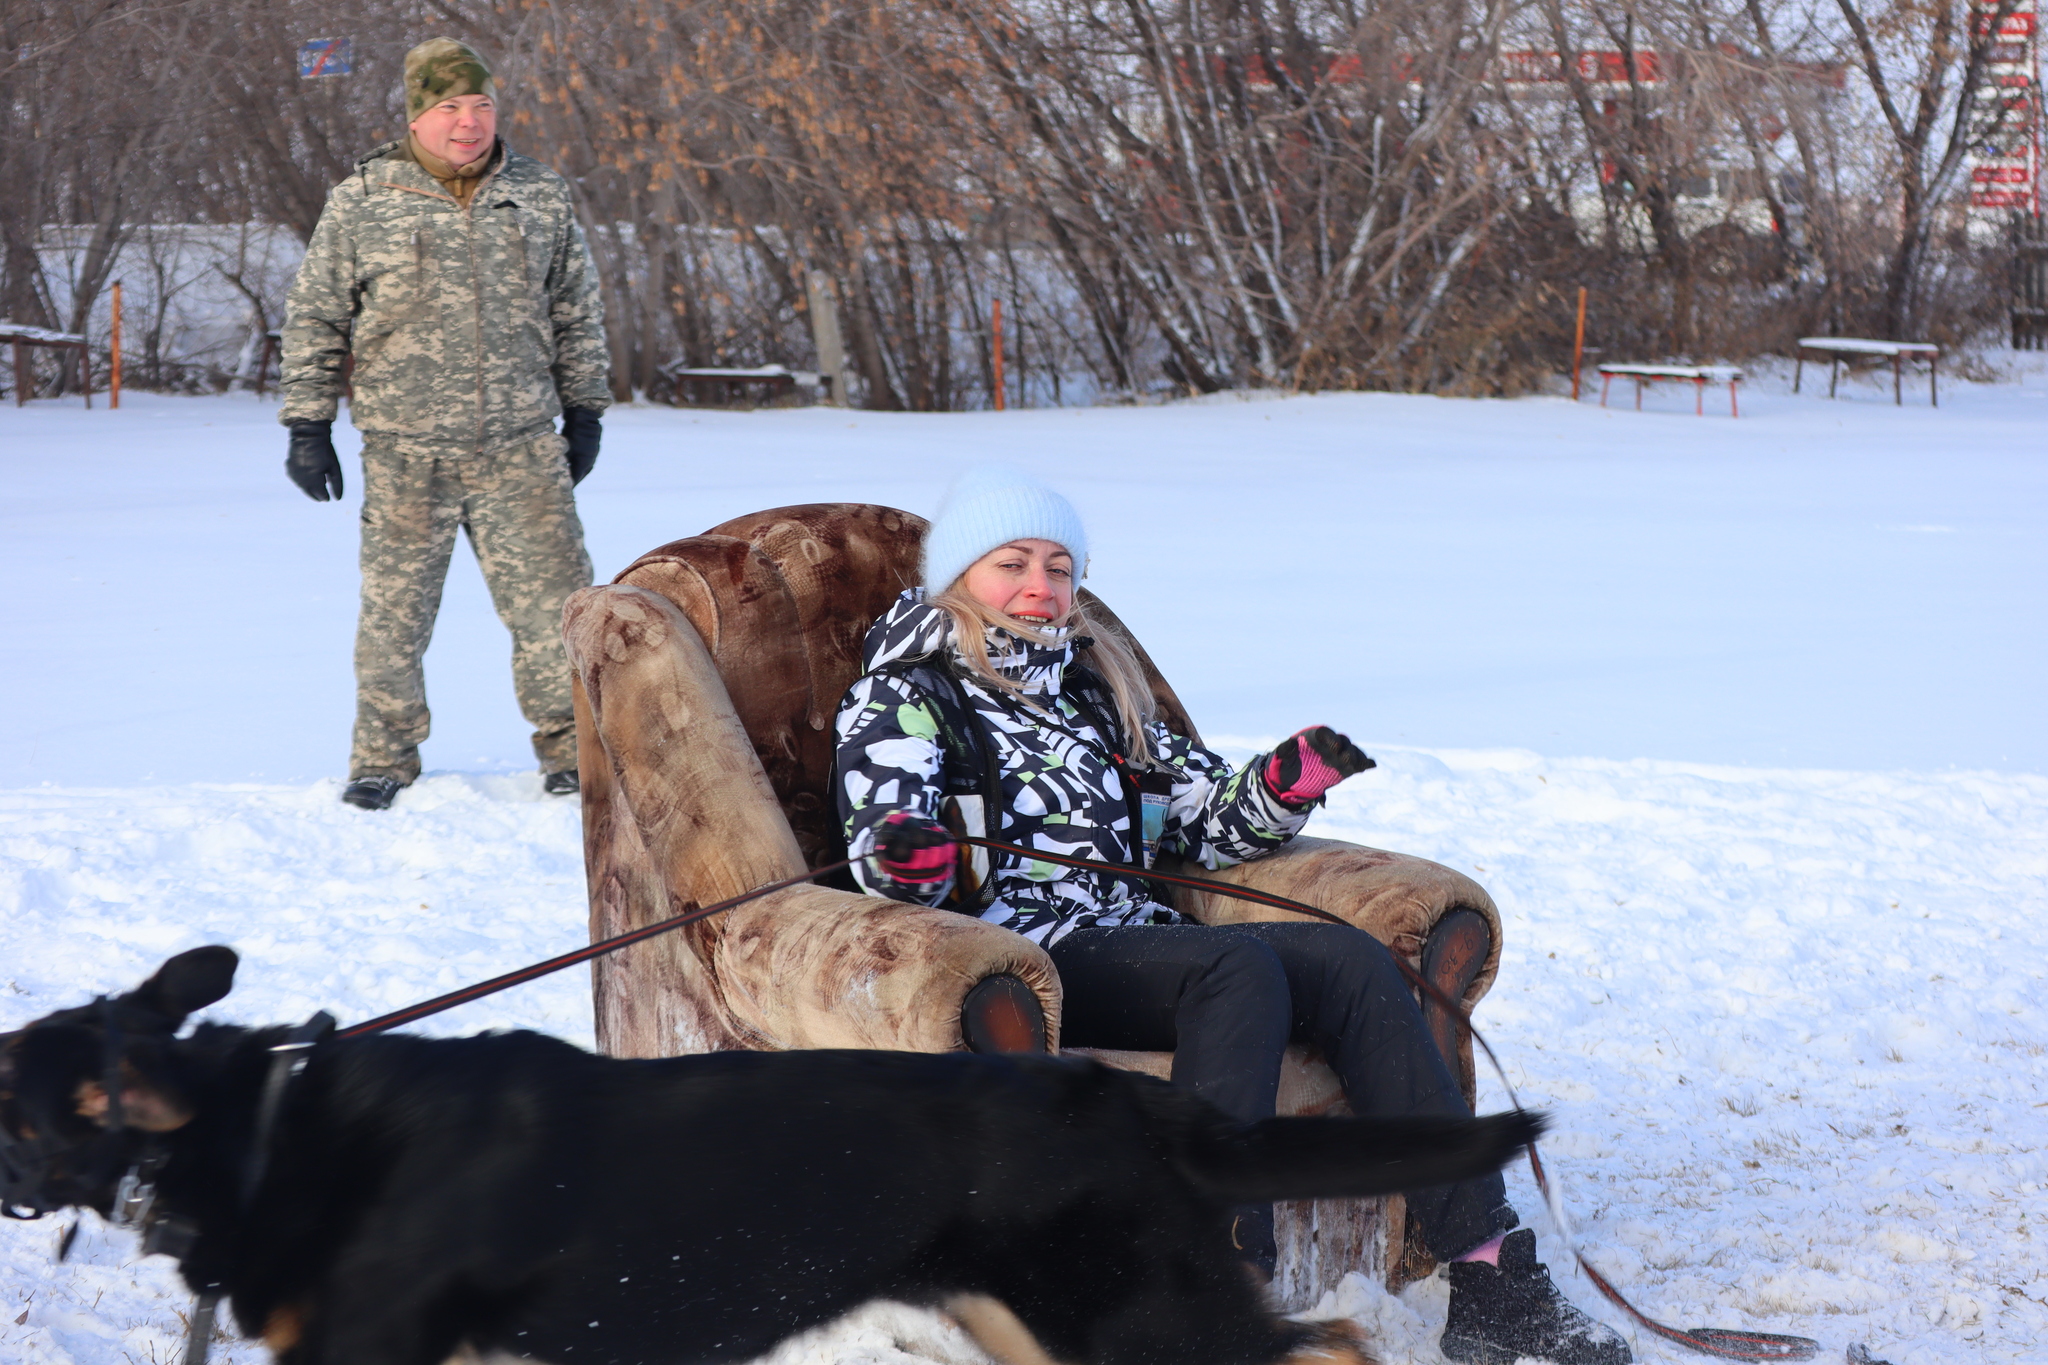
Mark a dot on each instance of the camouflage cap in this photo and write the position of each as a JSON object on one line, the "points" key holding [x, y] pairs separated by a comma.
{"points": [[439, 69]]}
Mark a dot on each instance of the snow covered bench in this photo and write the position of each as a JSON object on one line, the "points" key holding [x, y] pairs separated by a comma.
{"points": [[731, 385], [21, 336], [1699, 376], [707, 677], [1836, 349]]}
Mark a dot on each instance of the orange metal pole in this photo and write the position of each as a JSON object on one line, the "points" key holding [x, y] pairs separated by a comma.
{"points": [[1579, 343], [114, 375], [997, 331]]}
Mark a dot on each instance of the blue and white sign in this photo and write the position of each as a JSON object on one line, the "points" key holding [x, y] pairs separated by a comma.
{"points": [[326, 57]]}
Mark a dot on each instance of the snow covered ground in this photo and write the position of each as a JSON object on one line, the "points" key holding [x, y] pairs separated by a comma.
{"points": [[1777, 932], [1818, 584]]}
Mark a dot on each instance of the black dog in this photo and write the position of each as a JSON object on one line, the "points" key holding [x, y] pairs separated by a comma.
{"points": [[516, 1194]]}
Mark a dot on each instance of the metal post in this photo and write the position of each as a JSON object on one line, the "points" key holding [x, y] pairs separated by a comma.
{"points": [[1933, 365], [1579, 343], [114, 353], [21, 379], [825, 333], [1898, 369]]}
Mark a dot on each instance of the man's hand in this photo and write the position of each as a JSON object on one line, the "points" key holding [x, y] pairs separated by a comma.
{"points": [[583, 430], [914, 851], [312, 463], [1309, 763]]}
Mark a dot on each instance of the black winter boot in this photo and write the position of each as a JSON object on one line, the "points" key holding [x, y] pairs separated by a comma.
{"points": [[564, 783], [1500, 1314], [373, 793]]}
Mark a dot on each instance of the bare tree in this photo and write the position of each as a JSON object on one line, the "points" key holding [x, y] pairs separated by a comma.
{"points": [[1179, 194], [1926, 67]]}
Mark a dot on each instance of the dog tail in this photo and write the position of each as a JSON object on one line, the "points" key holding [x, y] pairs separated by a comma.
{"points": [[1347, 1158]]}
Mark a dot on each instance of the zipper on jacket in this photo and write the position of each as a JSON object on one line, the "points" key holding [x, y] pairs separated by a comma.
{"points": [[476, 290]]}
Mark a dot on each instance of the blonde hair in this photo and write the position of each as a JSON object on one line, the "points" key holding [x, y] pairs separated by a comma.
{"points": [[1111, 656]]}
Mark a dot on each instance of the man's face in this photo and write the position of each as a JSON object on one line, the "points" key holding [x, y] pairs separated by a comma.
{"points": [[458, 129]]}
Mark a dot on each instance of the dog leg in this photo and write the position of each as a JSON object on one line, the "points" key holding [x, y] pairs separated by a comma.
{"points": [[467, 1354], [284, 1328], [1336, 1342], [997, 1330]]}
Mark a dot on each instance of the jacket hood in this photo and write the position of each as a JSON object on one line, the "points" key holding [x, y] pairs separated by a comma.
{"points": [[913, 628], [382, 150]]}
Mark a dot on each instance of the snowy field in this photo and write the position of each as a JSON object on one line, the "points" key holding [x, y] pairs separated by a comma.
{"points": [[1739, 720]]}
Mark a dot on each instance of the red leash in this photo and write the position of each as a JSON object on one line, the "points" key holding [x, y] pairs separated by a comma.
{"points": [[1713, 1341]]}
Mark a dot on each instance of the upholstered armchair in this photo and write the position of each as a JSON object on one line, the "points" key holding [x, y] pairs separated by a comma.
{"points": [[707, 677]]}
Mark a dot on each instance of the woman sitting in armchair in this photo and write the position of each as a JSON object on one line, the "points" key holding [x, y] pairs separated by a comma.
{"points": [[972, 707]]}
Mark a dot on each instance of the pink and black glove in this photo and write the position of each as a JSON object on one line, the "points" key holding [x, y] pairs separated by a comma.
{"points": [[1311, 762], [914, 851]]}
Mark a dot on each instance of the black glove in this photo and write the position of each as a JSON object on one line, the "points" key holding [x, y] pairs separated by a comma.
{"points": [[1311, 762], [583, 429], [312, 463]]}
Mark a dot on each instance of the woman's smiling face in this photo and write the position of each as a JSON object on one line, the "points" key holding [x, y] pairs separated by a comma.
{"points": [[1032, 580]]}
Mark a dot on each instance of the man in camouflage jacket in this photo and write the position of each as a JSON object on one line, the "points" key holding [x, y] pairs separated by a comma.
{"points": [[452, 272]]}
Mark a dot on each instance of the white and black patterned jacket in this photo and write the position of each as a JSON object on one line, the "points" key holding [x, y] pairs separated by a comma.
{"points": [[1057, 788]]}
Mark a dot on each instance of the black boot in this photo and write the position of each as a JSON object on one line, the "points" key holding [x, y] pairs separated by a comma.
{"points": [[373, 793], [1500, 1314], [564, 783]]}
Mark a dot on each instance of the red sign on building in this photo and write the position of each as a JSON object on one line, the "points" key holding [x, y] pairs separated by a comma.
{"points": [[2005, 124]]}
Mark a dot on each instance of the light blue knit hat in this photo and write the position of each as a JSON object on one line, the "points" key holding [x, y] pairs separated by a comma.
{"points": [[992, 506]]}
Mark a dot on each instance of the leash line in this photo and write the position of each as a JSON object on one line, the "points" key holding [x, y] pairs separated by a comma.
{"points": [[414, 1013], [1713, 1341]]}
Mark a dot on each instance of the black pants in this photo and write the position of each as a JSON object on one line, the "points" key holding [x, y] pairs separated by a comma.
{"points": [[1227, 1000]]}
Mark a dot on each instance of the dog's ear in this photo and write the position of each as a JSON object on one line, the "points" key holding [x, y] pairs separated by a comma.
{"points": [[190, 981]]}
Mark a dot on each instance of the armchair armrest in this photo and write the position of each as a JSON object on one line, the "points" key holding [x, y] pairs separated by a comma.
{"points": [[816, 967], [1396, 898], [669, 750]]}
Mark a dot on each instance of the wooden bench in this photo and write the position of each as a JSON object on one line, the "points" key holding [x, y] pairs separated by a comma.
{"points": [[42, 336], [1699, 376], [1835, 348], [773, 381]]}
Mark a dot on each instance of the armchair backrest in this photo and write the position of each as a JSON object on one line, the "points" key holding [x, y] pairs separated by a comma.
{"points": [[783, 600]]}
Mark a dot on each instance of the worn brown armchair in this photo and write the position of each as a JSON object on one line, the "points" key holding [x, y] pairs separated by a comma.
{"points": [[708, 674]]}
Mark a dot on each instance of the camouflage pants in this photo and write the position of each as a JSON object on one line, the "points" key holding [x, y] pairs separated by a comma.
{"points": [[521, 517]]}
